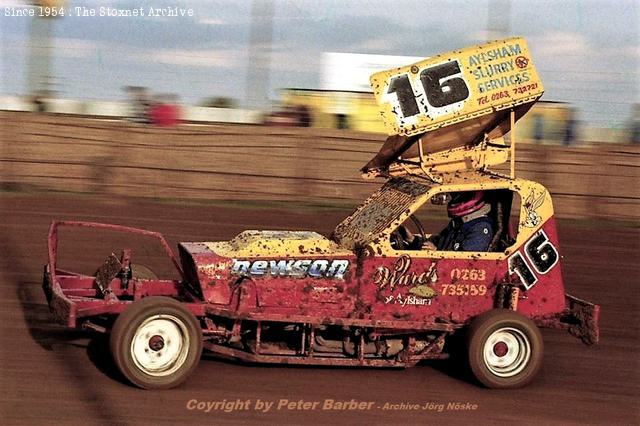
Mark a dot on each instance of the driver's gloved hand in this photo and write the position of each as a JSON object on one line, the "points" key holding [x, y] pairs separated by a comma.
{"points": [[428, 245], [406, 236], [412, 241]]}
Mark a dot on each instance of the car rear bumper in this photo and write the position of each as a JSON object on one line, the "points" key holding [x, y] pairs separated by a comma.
{"points": [[580, 318], [63, 309]]}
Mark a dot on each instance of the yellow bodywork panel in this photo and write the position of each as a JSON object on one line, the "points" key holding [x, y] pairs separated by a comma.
{"points": [[373, 222], [455, 159], [276, 244], [473, 84]]}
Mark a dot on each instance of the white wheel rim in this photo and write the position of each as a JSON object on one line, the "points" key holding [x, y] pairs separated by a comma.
{"points": [[507, 352], [160, 345]]}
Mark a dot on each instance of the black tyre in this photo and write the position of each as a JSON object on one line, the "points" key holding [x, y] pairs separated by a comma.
{"points": [[504, 349], [156, 343]]}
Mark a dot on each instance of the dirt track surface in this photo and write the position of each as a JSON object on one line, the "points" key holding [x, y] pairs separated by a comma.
{"points": [[52, 375]]}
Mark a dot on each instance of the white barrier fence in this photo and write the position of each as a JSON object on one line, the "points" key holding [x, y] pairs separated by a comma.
{"points": [[197, 114], [122, 109]]}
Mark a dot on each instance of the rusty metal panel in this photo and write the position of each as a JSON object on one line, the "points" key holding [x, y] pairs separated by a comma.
{"points": [[107, 272], [378, 212]]}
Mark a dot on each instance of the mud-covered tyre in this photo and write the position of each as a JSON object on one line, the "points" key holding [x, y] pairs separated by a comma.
{"points": [[156, 343], [504, 349]]}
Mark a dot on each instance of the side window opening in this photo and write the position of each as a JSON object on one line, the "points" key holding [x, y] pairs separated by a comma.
{"points": [[502, 209], [514, 219], [486, 223]]}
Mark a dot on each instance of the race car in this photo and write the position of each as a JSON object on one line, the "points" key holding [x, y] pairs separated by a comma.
{"points": [[365, 295]]}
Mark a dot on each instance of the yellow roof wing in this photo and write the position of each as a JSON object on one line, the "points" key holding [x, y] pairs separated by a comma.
{"points": [[458, 86], [449, 112]]}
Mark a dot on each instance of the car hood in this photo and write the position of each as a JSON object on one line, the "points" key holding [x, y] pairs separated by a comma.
{"points": [[249, 244]]}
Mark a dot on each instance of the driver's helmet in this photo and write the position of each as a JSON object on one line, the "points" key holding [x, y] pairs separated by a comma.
{"points": [[463, 203]]}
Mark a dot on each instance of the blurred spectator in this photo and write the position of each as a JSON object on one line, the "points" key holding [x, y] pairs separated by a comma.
{"points": [[140, 104], [289, 116], [41, 98], [342, 121], [165, 112], [571, 125], [219, 102], [305, 116], [40, 104], [538, 128], [634, 127]]}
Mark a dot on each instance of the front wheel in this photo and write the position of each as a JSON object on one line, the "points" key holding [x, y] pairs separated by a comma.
{"points": [[504, 349], [156, 343]]}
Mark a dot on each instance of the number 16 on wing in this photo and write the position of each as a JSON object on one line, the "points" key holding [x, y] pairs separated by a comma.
{"points": [[433, 92], [456, 86]]}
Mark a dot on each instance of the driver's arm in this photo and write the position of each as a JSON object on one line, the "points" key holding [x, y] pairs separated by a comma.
{"points": [[416, 243], [433, 240], [411, 241]]}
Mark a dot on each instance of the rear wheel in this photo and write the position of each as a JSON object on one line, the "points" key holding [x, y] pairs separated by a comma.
{"points": [[156, 343], [504, 349]]}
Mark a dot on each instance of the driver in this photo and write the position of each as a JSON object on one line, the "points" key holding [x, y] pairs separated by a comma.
{"points": [[470, 228]]}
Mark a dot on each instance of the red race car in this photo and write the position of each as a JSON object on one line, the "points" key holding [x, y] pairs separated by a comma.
{"points": [[381, 291]]}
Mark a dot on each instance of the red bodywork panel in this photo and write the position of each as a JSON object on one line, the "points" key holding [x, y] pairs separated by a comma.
{"points": [[375, 288], [381, 292]]}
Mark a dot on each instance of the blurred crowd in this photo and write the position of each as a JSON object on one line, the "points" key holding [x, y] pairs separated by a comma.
{"points": [[289, 116], [159, 110], [547, 122]]}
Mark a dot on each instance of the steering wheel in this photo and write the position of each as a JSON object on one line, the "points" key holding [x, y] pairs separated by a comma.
{"points": [[398, 237]]}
